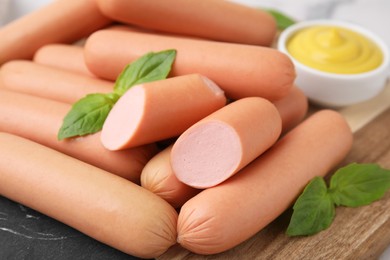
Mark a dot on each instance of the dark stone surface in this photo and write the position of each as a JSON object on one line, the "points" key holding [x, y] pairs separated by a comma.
{"points": [[27, 234]]}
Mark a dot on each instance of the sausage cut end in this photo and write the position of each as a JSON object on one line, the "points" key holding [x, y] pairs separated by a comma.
{"points": [[207, 154], [122, 122]]}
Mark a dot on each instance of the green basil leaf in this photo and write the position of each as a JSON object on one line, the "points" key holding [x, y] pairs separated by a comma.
{"points": [[314, 210], [359, 184], [282, 21], [150, 67], [87, 115]]}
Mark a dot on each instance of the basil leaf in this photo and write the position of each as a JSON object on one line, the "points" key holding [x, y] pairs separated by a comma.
{"points": [[359, 184], [150, 67], [282, 20], [87, 115], [314, 210]]}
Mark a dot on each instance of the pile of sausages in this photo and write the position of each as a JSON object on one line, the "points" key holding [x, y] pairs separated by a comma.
{"points": [[227, 169]]}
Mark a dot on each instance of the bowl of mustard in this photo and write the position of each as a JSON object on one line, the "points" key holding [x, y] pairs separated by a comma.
{"points": [[337, 63]]}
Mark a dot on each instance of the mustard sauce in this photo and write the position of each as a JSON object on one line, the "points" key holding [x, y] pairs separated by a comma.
{"points": [[335, 49]]}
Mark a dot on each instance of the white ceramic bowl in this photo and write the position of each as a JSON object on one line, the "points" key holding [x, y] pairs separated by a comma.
{"points": [[336, 90]]}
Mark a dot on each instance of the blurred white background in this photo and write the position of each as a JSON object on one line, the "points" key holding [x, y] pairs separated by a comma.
{"points": [[10, 9], [372, 14]]}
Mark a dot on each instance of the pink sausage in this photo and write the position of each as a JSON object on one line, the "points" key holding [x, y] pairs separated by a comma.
{"points": [[158, 176], [214, 19], [40, 119], [103, 206], [292, 108], [39, 80], [159, 110], [219, 218], [62, 21], [63, 56], [218, 146], [240, 70]]}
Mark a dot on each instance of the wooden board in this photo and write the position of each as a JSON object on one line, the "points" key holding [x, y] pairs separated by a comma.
{"points": [[356, 233]]}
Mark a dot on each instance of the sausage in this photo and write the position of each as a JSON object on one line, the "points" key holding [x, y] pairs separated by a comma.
{"points": [[39, 120], [218, 146], [67, 57], [292, 108], [159, 110], [62, 21], [48, 82], [221, 217], [216, 19], [99, 204], [158, 176], [240, 70], [132, 28]]}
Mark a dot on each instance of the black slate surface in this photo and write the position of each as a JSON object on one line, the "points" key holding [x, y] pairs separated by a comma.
{"points": [[27, 234]]}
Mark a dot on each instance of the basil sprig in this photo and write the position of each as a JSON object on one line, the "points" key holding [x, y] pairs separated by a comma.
{"points": [[282, 20], [354, 185], [87, 115]]}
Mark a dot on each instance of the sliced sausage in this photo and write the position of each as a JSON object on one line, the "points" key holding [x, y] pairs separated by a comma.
{"points": [[159, 110], [218, 146], [222, 217], [158, 176]]}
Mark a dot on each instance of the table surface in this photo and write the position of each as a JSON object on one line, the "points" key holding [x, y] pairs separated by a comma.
{"points": [[356, 233]]}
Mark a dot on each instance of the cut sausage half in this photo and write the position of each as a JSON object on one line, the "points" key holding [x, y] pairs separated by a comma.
{"points": [[159, 110]]}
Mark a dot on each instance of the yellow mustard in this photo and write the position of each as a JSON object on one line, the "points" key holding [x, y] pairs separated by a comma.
{"points": [[335, 49]]}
